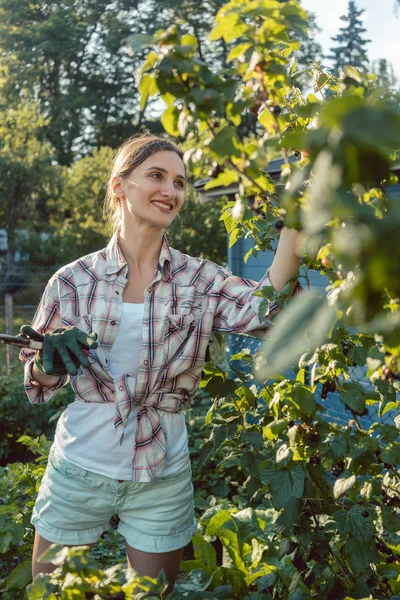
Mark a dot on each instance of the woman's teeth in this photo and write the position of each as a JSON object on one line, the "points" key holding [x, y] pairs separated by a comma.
{"points": [[165, 207]]}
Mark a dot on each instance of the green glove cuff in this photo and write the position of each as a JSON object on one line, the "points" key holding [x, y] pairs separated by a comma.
{"points": [[59, 370], [38, 364]]}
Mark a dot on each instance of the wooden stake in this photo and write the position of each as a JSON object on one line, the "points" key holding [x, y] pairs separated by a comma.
{"points": [[9, 328]]}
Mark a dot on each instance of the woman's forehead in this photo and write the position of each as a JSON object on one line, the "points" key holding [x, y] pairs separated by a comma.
{"points": [[166, 159]]}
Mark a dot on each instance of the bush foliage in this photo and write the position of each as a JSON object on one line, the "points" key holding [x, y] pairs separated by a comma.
{"points": [[293, 506]]}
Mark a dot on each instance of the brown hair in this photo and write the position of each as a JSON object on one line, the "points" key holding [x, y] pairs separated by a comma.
{"points": [[133, 152]]}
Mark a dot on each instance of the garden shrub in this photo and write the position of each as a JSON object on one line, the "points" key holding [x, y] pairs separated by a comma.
{"points": [[18, 417]]}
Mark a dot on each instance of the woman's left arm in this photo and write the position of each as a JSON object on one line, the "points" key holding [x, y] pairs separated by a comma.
{"points": [[237, 308], [286, 261]]}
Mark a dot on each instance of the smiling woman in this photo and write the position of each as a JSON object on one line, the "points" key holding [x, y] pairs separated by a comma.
{"points": [[122, 446]]}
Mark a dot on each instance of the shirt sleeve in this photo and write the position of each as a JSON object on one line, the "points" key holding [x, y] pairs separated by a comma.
{"points": [[47, 318], [237, 307]]}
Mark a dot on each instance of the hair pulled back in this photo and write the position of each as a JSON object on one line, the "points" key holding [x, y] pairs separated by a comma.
{"points": [[132, 153]]}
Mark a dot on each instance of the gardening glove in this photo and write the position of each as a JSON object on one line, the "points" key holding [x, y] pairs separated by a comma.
{"points": [[64, 350]]}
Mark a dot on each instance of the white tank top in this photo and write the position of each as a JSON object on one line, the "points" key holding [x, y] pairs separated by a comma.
{"points": [[85, 433]]}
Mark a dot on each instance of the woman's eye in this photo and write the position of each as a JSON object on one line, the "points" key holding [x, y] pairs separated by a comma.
{"points": [[156, 174], [180, 184]]}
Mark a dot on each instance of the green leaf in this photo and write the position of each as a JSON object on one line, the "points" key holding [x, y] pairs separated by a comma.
{"points": [[356, 521], [41, 588], [374, 360], [391, 521], [369, 489], [262, 309], [301, 326], [388, 399], [226, 143], [169, 120], [238, 51], [140, 41], [353, 395], [228, 28], [224, 526], [20, 576], [360, 557], [343, 483], [274, 428], [195, 584], [5, 541], [298, 594], [391, 454], [147, 87], [205, 551], [358, 354], [285, 484], [227, 177], [206, 451], [312, 99], [234, 111], [304, 399]]}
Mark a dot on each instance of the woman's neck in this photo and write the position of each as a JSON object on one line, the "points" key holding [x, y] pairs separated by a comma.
{"points": [[141, 249]]}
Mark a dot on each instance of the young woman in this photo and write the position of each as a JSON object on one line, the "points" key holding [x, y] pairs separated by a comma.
{"points": [[121, 447]]}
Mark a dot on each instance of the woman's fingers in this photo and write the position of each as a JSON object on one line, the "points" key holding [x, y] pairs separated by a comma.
{"points": [[31, 333], [90, 341], [78, 351], [67, 360]]}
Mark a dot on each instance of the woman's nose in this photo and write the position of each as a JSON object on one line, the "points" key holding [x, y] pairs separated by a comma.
{"points": [[168, 190]]}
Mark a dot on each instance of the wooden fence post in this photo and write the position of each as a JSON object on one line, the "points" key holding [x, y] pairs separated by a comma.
{"points": [[9, 328]]}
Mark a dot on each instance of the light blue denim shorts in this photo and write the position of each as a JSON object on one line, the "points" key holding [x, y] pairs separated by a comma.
{"points": [[74, 507]]}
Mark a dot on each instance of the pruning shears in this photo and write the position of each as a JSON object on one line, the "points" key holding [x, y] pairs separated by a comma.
{"points": [[21, 341]]}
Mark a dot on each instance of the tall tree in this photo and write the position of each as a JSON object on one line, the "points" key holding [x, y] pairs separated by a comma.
{"points": [[350, 47], [28, 175], [72, 58], [386, 84]]}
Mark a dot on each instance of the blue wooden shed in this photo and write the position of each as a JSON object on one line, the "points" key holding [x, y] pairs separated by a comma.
{"points": [[255, 268]]}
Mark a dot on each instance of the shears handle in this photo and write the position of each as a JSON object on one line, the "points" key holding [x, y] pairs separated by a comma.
{"points": [[21, 341]]}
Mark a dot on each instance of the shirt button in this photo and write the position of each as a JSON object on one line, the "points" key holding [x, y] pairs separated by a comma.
{"points": [[112, 322], [121, 389], [145, 362], [116, 291]]}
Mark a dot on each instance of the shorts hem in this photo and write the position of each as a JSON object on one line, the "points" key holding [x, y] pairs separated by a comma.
{"points": [[70, 538], [156, 544]]}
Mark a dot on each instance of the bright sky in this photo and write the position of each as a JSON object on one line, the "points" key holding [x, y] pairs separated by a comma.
{"points": [[379, 19]]}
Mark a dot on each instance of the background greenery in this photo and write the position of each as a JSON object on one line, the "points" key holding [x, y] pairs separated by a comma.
{"points": [[291, 506]]}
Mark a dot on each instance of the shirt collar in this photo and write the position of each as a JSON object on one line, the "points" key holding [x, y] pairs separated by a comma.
{"points": [[116, 260]]}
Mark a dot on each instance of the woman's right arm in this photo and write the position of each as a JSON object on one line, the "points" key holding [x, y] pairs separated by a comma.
{"points": [[47, 381], [38, 386]]}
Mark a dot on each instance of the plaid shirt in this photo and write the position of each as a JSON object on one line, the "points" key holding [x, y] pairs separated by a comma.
{"points": [[188, 299]]}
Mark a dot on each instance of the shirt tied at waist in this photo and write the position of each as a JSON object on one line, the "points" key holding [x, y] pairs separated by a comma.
{"points": [[150, 447]]}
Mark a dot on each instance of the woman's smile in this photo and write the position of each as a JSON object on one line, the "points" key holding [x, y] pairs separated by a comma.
{"points": [[161, 205]]}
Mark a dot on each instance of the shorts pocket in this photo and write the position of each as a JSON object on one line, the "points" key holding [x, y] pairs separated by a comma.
{"points": [[180, 473], [65, 468]]}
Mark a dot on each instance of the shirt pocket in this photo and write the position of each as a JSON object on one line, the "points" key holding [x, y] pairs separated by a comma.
{"points": [[179, 330], [82, 322]]}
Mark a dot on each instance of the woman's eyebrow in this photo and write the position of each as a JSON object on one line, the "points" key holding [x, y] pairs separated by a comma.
{"points": [[165, 171]]}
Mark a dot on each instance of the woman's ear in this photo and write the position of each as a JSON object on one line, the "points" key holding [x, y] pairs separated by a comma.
{"points": [[116, 187]]}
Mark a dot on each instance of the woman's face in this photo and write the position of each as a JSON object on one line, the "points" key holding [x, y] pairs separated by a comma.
{"points": [[154, 192]]}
